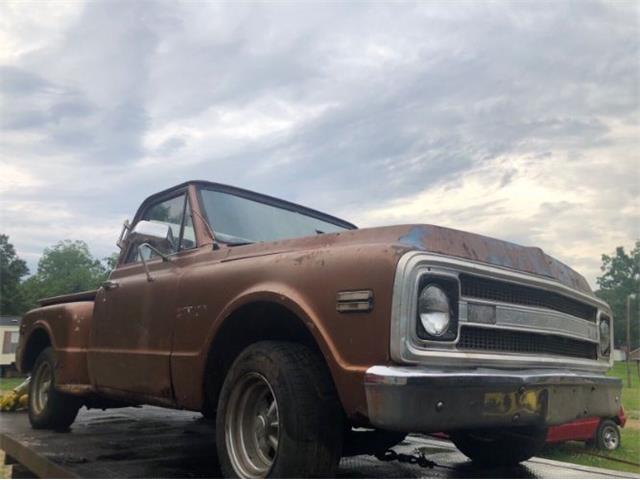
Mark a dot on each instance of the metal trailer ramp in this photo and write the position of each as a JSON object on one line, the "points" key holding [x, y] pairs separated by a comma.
{"points": [[152, 442]]}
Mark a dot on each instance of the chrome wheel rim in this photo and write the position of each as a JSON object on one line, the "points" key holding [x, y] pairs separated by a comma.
{"points": [[252, 426], [610, 438], [42, 385]]}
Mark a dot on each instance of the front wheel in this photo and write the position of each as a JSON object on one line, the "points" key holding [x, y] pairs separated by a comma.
{"points": [[49, 408], [500, 447], [278, 415]]}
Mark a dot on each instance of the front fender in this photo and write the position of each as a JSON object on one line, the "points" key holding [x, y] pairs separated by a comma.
{"points": [[290, 299], [306, 283]]}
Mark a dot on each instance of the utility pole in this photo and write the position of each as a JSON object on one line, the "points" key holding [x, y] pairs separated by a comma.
{"points": [[629, 297], [629, 339]]}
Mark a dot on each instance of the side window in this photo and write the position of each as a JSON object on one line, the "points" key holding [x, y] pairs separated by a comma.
{"points": [[177, 215], [169, 212]]}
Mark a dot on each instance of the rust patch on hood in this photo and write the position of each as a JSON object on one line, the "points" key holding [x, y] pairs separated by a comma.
{"points": [[489, 250]]}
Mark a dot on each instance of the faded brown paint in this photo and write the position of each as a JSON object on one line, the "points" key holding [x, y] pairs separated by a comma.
{"points": [[67, 325], [149, 341]]}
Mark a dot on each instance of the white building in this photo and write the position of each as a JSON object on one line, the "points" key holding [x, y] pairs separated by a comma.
{"points": [[9, 334], [619, 355]]}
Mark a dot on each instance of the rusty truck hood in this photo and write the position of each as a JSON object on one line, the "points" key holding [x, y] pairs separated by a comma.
{"points": [[431, 238], [489, 250]]}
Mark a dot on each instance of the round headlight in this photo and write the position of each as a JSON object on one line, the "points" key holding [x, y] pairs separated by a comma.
{"points": [[434, 310], [605, 337]]}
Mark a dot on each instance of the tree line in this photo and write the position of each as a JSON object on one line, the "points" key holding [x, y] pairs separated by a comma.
{"points": [[69, 267], [66, 267], [621, 278]]}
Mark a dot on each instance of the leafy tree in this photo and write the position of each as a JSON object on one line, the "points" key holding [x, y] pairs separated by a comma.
{"points": [[67, 267], [111, 261], [12, 269], [620, 278]]}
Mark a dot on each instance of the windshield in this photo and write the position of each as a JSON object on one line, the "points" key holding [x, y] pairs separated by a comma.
{"points": [[238, 220]]}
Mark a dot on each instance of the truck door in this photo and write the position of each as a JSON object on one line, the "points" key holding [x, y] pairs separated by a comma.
{"points": [[134, 318]]}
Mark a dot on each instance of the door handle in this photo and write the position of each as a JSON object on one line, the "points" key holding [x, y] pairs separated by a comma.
{"points": [[110, 285]]}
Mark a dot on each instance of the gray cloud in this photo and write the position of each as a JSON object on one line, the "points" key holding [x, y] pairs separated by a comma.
{"points": [[346, 107]]}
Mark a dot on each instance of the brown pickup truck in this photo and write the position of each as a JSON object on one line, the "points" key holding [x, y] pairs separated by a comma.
{"points": [[308, 339]]}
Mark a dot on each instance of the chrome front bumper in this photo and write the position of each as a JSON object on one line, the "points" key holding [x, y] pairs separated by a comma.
{"points": [[419, 399]]}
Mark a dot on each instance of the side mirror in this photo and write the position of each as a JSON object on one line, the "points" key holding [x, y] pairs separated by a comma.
{"points": [[157, 234], [126, 228]]}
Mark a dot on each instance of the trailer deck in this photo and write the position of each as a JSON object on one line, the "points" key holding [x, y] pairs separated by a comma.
{"points": [[154, 442]]}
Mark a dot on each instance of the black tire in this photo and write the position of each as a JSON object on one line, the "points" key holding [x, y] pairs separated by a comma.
{"points": [[49, 409], [309, 416], [500, 447], [607, 435]]}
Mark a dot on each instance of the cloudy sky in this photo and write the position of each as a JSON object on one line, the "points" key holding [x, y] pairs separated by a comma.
{"points": [[516, 120]]}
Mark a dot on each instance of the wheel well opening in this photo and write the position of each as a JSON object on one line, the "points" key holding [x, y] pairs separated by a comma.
{"points": [[249, 324], [38, 341]]}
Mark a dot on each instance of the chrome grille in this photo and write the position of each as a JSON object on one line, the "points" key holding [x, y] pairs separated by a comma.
{"points": [[489, 289], [497, 340]]}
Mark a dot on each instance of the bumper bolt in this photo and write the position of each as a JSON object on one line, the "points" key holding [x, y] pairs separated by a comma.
{"points": [[439, 406]]}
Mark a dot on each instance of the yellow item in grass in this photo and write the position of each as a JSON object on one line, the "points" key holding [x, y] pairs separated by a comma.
{"points": [[16, 399]]}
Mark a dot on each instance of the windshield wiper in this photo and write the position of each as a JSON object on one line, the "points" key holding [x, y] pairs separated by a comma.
{"points": [[229, 240]]}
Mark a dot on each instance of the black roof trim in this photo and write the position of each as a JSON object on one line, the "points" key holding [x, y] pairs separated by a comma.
{"points": [[246, 194]]}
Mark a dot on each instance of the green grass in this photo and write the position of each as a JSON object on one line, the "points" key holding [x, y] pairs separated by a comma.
{"points": [[7, 384], [630, 396], [578, 452]]}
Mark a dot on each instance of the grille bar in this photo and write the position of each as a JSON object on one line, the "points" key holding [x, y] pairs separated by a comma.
{"points": [[489, 289], [494, 340]]}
